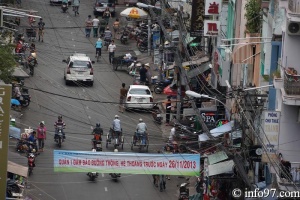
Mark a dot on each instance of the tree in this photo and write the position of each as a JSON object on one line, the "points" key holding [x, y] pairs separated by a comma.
{"points": [[253, 16], [7, 63]]}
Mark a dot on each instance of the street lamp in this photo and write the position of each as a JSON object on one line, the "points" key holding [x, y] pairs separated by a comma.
{"points": [[197, 95], [142, 5]]}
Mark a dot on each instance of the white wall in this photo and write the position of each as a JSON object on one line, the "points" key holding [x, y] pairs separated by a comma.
{"points": [[290, 52], [289, 136]]}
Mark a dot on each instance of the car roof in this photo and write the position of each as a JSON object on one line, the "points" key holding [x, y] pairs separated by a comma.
{"points": [[139, 86], [80, 56]]}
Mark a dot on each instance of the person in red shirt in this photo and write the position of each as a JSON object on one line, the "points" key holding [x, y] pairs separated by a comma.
{"points": [[41, 135]]}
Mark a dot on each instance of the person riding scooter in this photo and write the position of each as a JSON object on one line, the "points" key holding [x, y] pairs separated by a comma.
{"points": [[59, 123], [64, 5], [98, 131], [107, 36], [141, 129], [116, 128]]}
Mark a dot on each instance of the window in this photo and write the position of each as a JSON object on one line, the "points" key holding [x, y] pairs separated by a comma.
{"points": [[140, 91], [80, 64]]}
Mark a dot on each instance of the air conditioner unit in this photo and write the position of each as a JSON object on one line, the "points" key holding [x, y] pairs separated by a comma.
{"points": [[293, 28]]}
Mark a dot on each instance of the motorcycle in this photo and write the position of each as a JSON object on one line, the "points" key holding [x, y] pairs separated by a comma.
{"points": [[12, 187], [156, 114], [142, 45], [124, 37], [92, 175], [115, 176], [59, 136], [159, 86], [64, 7], [97, 142], [184, 191], [107, 41], [31, 163]]}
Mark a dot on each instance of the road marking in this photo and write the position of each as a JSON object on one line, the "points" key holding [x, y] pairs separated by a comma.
{"points": [[105, 188], [102, 175]]}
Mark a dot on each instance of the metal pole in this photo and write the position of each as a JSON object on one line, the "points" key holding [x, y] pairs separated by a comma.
{"points": [[178, 105], [149, 35]]}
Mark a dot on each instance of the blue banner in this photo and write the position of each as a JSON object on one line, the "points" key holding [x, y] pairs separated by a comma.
{"points": [[156, 39]]}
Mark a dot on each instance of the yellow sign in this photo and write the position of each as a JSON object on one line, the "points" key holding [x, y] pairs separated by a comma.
{"points": [[134, 13], [5, 96]]}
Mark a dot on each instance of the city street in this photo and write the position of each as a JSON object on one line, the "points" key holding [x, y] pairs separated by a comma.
{"points": [[65, 35]]}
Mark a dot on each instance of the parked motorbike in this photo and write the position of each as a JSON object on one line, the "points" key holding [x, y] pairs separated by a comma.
{"points": [[12, 187], [92, 175], [124, 37], [59, 138], [156, 114], [160, 86], [31, 163], [184, 191], [64, 7]]}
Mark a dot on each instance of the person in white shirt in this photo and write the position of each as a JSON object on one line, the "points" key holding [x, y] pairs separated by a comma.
{"points": [[116, 127], [141, 129], [96, 22], [111, 51]]}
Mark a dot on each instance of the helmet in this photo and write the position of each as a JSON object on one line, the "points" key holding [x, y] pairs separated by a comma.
{"points": [[42, 123], [98, 124], [140, 120], [33, 150], [31, 155], [116, 116], [59, 117], [116, 150]]}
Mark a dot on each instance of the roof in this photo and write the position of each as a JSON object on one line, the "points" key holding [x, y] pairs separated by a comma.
{"points": [[139, 86], [80, 56], [17, 169]]}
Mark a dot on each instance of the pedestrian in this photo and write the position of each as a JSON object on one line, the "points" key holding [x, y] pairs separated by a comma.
{"points": [[98, 46], [41, 135], [168, 151], [168, 109], [17, 92], [123, 94], [76, 4], [95, 26], [106, 15], [41, 26], [116, 26], [162, 182], [148, 74], [103, 24], [88, 26], [143, 74], [111, 51]]}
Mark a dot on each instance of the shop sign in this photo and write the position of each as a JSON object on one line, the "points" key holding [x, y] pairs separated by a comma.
{"points": [[209, 119], [255, 153], [213, 7], [211, 28], [197, 18], [271, 134]]}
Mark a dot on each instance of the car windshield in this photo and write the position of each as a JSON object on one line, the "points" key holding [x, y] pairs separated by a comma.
{"points": [[105, 1], [139, 91], [80, 64]]}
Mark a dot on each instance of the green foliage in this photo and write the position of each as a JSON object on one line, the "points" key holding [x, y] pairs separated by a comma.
{"points": [[7, 63], [253, 16]]}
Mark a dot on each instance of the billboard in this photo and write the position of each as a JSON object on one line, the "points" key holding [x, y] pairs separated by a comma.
{"points": [[126, 163], [197, 18]]}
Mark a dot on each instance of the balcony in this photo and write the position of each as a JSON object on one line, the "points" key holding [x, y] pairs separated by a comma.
{"points": [[289, 86]]}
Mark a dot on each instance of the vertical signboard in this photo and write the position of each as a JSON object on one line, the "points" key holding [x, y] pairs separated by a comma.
{"points": [[211, 28], [5, 96], [197, 18], [156, 39], [271, 135], [213, 7]]}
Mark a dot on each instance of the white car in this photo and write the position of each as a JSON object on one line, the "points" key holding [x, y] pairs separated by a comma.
{"points": [[139, 96], [79, 69], [52, 2]]}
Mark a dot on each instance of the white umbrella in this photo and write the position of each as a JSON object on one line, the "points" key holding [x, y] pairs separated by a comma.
{"points": [[134, 13]]}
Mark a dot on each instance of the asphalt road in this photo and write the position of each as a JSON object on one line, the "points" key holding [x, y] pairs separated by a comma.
{"points": [[65, 35]]}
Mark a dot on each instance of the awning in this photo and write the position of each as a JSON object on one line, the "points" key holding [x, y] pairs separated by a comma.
{"points": [[14, 132], [19, 73], [243, 54], [221, 168], [222, 129], [196, 62], [17, 169]]}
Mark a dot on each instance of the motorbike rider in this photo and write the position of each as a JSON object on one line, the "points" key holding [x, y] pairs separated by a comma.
{"points": [[141, 129], [65, 2], [97, 132], [116, 127], [107, 35], [59, 122]]}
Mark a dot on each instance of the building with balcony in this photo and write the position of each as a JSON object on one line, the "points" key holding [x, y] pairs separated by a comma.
{"points": [[285, 75]]}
